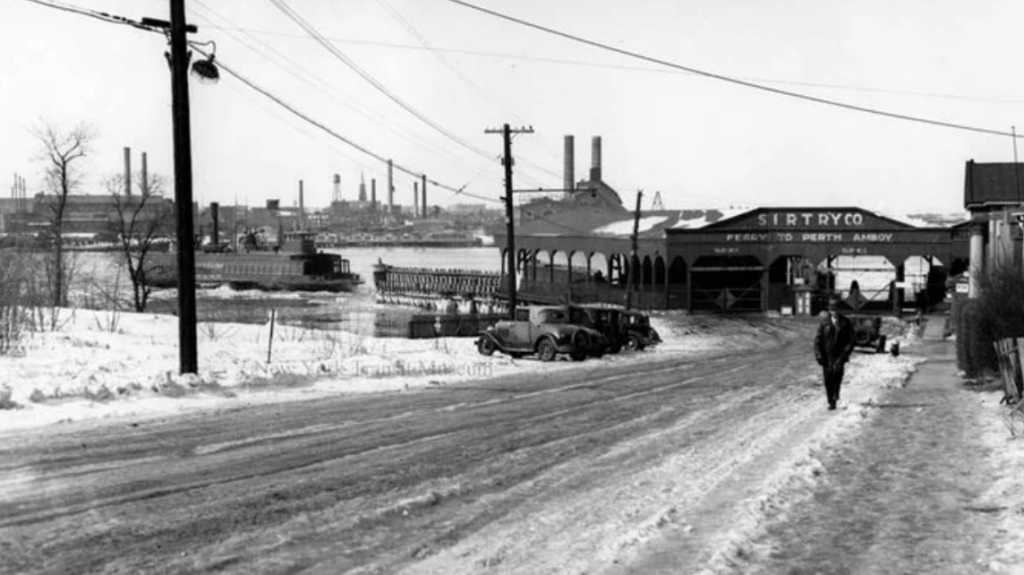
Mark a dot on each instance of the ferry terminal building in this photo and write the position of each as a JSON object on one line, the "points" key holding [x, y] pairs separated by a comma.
{"points": [[580, 248], [757, 260]]}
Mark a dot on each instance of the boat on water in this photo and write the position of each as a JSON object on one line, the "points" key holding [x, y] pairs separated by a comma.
{"points": [[294, 265]]}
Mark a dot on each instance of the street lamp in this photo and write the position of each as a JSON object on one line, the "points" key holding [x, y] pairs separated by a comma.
{"points": [[206, 70]]}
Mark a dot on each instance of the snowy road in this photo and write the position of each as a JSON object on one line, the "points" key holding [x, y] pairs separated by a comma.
{"points": [[583, 470]]}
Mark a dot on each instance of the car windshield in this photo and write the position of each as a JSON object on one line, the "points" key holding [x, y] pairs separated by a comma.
{"points": [[578, 316], [552, 316]]}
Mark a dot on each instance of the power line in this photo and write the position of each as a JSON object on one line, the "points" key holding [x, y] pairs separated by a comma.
{"points": [[305, 25], [96, 14], [425, 43], [350, 142], [293, 68], [610, 66], [729, 79]]}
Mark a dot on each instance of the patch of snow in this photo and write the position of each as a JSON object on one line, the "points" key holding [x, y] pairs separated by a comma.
{"points": [[698, 223], [625, 227]]}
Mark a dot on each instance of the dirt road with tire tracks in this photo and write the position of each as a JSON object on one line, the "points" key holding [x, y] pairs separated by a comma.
{"points": [[570, 473]]}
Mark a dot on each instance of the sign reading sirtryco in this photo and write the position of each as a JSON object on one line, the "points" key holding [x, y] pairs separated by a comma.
{"points": [[811, 219]]}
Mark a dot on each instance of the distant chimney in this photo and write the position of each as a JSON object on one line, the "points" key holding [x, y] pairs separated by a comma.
{"points": [[145, 176], [415, 199], [215, 214], [595, 159], [373, 193], [127, 171], [569, 181], [302, 207], [423, 195], [336, 196], [391, 187]]}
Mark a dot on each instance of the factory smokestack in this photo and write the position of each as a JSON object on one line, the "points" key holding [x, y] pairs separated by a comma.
{"points": [[302, 206], [391, 187], [215, 214], [373, 194], [145, 176], [569, 181], [127, 171], [423, 195], [336, 194], [595, 159], [415, 199]]}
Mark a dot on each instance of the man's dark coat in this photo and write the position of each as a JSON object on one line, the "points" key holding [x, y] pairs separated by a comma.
{"points": [[834, 343]]}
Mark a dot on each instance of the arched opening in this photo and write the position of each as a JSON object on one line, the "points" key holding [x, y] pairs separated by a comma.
{"points": [[598, 265]]}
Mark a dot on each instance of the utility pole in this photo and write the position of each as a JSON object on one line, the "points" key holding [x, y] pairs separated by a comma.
{"points": [[1016, 179], [183, 190], [506, 133], [633, 260]]}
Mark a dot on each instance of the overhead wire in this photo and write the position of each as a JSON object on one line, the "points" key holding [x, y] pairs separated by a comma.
{"points": [[379, 86], [730, 79], [329, 131], [657, 70], [96, 14], [199, 47], [473, 86], [323, 87]]}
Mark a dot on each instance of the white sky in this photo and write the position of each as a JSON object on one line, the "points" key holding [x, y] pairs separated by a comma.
{"points": [[700, 142]]}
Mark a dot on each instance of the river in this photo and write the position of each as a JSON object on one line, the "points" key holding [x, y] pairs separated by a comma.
{"points": [[99, 280]]}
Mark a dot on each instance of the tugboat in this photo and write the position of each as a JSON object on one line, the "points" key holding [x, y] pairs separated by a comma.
{"points": [[294, 265]]}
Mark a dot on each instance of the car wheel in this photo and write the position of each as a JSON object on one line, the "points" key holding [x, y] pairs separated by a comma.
{"points": [[486, 346], [633, 342], [546, 350], [580, 345]]}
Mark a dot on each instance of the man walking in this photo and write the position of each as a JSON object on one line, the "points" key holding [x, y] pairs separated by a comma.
{"points": [[832, 347]]}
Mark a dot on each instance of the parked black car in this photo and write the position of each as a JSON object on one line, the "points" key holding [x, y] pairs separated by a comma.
{"points": [[637, 331], [606, 320], [867, 332]]}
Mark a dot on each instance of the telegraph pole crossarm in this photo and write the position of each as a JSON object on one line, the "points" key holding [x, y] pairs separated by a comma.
{"points": [[506, 131]]}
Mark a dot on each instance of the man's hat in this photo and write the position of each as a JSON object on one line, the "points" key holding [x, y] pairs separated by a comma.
{"points": [[833, 302]]}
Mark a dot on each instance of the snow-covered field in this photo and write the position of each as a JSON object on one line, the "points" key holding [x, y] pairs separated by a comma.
{"points": [[102, 364]]}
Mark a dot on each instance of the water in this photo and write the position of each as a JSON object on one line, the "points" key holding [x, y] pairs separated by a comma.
{"points": [[99, 279]]}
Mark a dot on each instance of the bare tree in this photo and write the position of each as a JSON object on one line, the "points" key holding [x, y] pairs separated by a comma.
{"points": [[62, 153], [139, 221]]}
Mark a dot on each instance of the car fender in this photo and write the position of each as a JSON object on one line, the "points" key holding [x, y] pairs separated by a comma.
{"points": [[494, 339]]}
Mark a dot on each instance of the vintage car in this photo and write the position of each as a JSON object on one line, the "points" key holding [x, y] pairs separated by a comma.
{"points": [[606, 320], [637, 331], [545, 331], [867, 332]]}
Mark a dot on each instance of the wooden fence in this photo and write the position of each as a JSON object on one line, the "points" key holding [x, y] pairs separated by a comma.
{"points": [[1010, 362]]}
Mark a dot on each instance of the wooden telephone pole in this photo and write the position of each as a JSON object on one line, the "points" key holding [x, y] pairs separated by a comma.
{"points": [[506, 133], [633, 260]]}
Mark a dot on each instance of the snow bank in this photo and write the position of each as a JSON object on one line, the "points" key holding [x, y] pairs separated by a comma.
{"points": [[105, 364]]}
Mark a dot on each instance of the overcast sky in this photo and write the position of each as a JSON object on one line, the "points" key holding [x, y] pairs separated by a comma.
{"points": [[698, 141]]}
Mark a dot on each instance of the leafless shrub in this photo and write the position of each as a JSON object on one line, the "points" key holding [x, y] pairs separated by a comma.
{"points": [[62, 153]]}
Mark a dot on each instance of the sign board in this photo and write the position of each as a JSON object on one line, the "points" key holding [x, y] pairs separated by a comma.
{"points": [[963, 288]]}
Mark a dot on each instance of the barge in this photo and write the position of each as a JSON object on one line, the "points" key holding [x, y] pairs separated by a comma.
{"points": [[296, 265]]}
